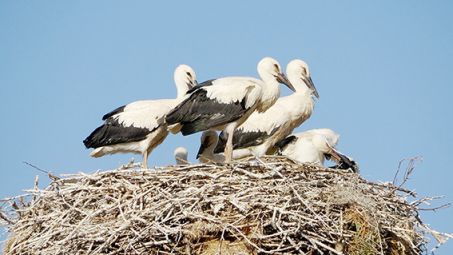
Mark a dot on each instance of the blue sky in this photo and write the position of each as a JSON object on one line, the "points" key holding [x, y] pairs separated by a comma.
{"points": [[383, 70]]}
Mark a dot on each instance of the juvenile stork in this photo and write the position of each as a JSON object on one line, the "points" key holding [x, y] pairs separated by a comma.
{"points": [[314, 146], [262, 130], [140, 126], [225, 103], [181, 154], [208, 143]]}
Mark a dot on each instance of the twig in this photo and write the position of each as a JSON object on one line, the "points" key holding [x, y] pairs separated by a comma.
{"points": [[51, 176], [273, 206]]}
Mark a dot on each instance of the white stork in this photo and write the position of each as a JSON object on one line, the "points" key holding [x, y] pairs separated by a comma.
{"points": [[262, 130], [140, 126], [314, 146], [225, 103], [181, 154], [208, 142]]}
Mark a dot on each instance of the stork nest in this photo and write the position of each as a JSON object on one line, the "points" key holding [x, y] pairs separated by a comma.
{"points": [[257, 206]]}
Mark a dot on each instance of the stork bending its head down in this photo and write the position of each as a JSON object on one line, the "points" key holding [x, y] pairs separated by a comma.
{"points": [[314, 146], [225, 103], [140, 126]]}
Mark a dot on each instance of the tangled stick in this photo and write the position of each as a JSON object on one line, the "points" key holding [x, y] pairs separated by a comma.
{"points": [[267, 206]]}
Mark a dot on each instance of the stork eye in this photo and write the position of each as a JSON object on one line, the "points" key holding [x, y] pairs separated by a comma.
{"points": [[190, 75], [304, 71], [276, 67]]}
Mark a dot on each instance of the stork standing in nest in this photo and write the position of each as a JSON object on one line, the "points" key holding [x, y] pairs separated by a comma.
{"points": [[262, 130], [225, 103], [140, 126], [315, 146]]}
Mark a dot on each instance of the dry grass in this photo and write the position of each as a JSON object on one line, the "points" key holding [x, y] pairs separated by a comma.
{"points": [[250, 207]]}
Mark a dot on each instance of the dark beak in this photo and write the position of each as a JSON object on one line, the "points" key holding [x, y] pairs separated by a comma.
{"points": [[282, 79], [343, 161], [310, 85], [204, 144], [192, 84]]}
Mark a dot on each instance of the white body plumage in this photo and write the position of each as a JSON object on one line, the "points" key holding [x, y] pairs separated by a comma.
{"points": [[140, 126], [225, 103], [277, 122], [315, 146], [311, 146]]}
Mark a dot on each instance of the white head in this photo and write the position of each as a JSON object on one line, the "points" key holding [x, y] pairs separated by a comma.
{"points": [[185, 79], [299, 75], [181, 156], [326, 141], [271, 72], [330, 136], [271, 75], [208, 142], [321, 144]]}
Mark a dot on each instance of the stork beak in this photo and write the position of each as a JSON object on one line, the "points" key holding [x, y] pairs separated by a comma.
{"points": [[192, 84], [310, 85], [282, 79], [204, 144], [343, 161]]}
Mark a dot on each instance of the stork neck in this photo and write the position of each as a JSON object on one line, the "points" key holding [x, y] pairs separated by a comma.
{"points": [[299, 85], [271, 92], [181, 88]]}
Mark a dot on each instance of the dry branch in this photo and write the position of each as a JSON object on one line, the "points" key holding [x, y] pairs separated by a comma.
{"points": [[267, 206]]}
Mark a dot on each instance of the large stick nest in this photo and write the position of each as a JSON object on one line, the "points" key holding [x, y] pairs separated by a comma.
{"points": [[274, 206]]}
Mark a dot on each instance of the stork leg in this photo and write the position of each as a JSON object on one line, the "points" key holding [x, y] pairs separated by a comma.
{"points": [[229, 150], [229, 130], [145, 160]]}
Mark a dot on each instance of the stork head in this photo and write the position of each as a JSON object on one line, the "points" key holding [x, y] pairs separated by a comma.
{"points": [[181, 155], [269, 70], [185, 79], [297, 70], [208, 142], [326, 147], [321, 144]]}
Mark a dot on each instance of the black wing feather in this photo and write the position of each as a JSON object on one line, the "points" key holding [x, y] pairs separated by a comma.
{"points": [[114, 133], [199, 113], [110, 114], [200, 85], [281, 145], [242, 139]]}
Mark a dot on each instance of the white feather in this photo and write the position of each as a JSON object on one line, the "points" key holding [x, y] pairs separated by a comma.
{"points": [[147, 114], [235, 89], [307, 149], [181, 154], [284, 116]]}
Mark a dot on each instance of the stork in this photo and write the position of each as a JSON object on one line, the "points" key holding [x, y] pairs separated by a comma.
{"points": [[225, 103], [262, 130], [208, 142], [140, 126], [181, 154], [314, 146]]}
